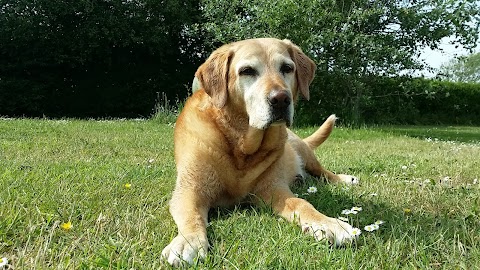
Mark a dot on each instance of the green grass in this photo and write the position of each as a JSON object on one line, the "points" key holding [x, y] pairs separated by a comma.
{"points": [[52, 172], [459, 134]]}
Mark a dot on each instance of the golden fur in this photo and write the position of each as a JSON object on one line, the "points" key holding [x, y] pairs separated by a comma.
{"points": [[232, 140]]}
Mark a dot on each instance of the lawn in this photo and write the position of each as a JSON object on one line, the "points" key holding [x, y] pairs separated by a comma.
{"points": [[112, 180]]}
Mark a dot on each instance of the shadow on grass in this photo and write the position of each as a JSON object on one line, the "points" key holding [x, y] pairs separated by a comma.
{"points": [[442, 133], [416, 238]]}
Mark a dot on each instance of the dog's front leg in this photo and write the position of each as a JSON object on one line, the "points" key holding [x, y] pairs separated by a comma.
{"points": [[251, 140], [301, 212], [191, 217]]}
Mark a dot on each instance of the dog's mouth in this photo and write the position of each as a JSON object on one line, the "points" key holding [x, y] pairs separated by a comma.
{"points": [[280, 104], [277, 118], [280, 117], [274, 111]]}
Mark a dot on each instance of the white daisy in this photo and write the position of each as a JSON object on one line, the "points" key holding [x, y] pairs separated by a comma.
{"points": [[379, 222], [355, 232], [346, 212], [3, 262], [369, 228], [312, 190], [343, 219], [357, 209]]}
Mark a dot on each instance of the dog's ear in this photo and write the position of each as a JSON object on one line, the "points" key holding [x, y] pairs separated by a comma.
{"points": [[196, 85], [213, 75], [305, 69]]}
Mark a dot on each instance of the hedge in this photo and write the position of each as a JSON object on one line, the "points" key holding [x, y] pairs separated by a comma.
{"points": [[387, 100]]}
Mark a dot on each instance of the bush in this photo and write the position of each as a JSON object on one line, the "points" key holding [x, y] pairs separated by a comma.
{"points": [[95, 58], [386, 100]]}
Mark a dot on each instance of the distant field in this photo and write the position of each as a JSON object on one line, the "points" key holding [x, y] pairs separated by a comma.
{"points": [[112, 180], [457, 134]]}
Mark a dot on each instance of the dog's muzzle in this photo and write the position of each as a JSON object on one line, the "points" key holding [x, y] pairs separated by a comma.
{"points": [[280, 101]]}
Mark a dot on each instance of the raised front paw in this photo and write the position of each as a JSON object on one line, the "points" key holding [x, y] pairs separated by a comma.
{"points": [[334, 230], [185, 248], [348, 179]]}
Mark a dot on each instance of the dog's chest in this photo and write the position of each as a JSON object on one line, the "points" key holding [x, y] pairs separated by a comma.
{"points": [[247, 173]]}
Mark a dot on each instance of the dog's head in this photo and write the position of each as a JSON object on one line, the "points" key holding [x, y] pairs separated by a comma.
{"points": [[262, 77]]}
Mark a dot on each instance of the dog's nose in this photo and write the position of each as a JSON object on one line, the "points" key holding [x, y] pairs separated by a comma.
{"points": [[279, 99]]}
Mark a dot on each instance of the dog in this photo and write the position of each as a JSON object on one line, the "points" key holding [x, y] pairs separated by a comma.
{"points": [[232, 140]]}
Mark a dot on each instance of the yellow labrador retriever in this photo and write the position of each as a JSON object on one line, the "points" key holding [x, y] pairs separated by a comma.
{"points": [[232, 140]]}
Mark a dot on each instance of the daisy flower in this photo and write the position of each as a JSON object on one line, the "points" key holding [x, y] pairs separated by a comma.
{"points": [[355, 232], [369, 228], [404, 167], [3, 262], [312, 190], [379, 222], [343, 219], [375, 226], [151, 160], [346, 212], [66, 226], [356, 209]]}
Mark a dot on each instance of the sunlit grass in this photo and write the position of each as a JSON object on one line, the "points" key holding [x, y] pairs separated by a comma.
{"points": [[93, 194]]}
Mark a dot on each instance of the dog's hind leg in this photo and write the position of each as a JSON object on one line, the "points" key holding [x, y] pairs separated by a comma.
{"points": [[305, 149], [314, 168]]}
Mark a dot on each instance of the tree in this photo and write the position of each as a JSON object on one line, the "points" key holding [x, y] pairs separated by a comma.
{"points": [[94, 58], [462, 69], [349, 40]]}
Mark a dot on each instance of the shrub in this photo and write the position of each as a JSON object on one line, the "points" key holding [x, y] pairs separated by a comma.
{"points": [[386, 100]]}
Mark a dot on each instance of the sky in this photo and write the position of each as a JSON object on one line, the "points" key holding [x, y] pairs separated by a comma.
{"points": [[435, 58]]}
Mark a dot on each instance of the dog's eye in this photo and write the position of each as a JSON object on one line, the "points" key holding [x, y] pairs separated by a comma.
{"points": [[248, 71], [286, 68]]}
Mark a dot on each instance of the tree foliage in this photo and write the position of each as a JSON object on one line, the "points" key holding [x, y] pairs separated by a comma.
{"points": [[463, 69], [114, 57], [95, 58], [356, 36], [350, 39]]}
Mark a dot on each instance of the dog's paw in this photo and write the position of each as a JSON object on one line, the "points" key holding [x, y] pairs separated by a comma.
{"points": [[334, 230], [348, 179], [184, 249]]}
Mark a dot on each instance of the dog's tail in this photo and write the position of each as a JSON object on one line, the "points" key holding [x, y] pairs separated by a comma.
{"points": [[322, 133]]}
